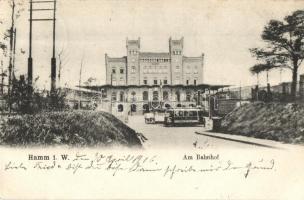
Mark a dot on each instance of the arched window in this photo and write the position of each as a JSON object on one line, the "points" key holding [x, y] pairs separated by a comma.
{"points": [[114, 96], [133, 108], [133, 98], [146, 108], [120, 108], [145, 96], [188, 95], [121, 96], [165, 96], [155, 96], [177, 96]]}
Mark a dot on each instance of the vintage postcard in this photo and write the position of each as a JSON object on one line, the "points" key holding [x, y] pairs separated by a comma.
{"points": [[151, 99]]}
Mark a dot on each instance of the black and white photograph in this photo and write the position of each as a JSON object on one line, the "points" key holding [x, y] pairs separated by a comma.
{"points": [[151, 99]]}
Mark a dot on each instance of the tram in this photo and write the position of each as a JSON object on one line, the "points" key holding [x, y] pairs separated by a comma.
{"points": [[184, 116]]}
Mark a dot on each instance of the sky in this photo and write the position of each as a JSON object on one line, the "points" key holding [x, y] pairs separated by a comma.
{"points": [[223, 30]]}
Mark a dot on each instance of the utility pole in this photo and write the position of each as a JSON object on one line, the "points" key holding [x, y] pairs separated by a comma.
{"points": [[11, 56], [30, 59], [53, 59]]}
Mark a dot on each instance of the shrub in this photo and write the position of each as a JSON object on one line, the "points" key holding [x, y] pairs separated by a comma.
{"points": [[275, 121], [80, 128]]}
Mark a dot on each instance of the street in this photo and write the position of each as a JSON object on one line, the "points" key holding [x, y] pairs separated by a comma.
{"points": [[161, 137]]}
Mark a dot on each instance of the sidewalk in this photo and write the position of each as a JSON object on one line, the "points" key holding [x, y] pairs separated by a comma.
{"points": [[248, 140]]}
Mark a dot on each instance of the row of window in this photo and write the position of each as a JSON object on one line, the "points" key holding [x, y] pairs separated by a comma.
{"points": [[121, 71], [177, 52], [188, 82], [155, 96], [177, 81], [153, 69], [133, 52], [156, 82], [155, 60]]}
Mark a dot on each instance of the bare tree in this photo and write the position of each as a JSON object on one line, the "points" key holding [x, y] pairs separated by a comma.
{"points": [[63, 60]]}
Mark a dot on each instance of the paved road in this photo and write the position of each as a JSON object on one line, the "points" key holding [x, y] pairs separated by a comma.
{"points": [[160, 136]]}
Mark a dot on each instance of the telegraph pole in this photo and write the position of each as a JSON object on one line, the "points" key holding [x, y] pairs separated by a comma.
{"points": [[30, 59], [53, 59], [11, 57]]}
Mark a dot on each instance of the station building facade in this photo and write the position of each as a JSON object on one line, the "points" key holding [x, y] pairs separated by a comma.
{"points": [[143, 81], [154, 68]]}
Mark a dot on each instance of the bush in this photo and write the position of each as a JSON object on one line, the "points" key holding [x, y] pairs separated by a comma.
{"points": [[275, 121], [24, 99], [80, 128]]}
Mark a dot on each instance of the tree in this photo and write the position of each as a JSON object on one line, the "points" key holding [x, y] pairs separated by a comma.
{"points": [[10, 34], [27, 100], [20, 99], [258, 68], [63, 60], [284, 46]]}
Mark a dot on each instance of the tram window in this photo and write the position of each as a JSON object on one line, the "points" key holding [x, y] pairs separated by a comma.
{"points": [[186, 114], [192, 113], [200, 113], [180, 113]]}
